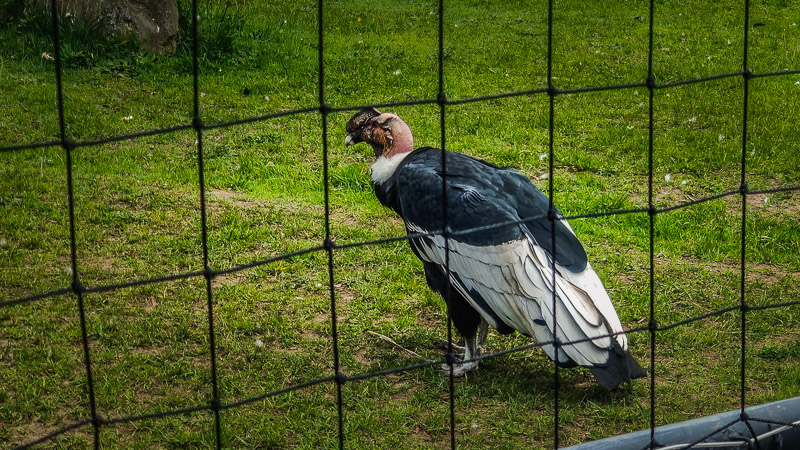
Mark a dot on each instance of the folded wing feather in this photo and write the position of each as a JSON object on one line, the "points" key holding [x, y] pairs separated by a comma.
{"points": [[516, 280]]}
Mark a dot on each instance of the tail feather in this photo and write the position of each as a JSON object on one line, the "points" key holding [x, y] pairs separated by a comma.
{"points": [[621, 367]]}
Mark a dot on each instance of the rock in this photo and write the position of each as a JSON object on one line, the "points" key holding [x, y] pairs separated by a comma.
{"points": [[153, 23]]}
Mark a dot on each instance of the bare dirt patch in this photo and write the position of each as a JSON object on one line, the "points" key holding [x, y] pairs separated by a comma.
{"points": [[33, 430], [402, 392], [780, 339], [322, 317], [361, 357], [103, 263], [773, 204], [429, 321], [664, 196], [344, 295], [767, 274], [311, 334], [223, 193], [248, 202], [238, 199], [229, 279], [148, 351], [676, 193]]}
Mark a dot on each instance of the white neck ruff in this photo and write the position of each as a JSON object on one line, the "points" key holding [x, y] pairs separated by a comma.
{"points": [[384, 167]]}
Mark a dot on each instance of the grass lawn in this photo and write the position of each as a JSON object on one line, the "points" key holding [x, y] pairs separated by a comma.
{"points": [[137, 216]]}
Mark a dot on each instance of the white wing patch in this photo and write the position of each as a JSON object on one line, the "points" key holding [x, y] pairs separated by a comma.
{"points": [[516, 281]]}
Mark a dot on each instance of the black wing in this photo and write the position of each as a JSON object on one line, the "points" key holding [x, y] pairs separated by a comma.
{"points": [[511, 266]]}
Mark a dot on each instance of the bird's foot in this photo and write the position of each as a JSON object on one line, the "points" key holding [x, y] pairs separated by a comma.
{"points": [[458, 350], [460, 368]]}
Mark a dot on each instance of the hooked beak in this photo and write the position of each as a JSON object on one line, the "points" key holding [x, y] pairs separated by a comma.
{"points": [[352, 139]]}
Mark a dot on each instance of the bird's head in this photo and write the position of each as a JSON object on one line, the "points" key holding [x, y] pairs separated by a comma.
{"points": [[385, 132]]}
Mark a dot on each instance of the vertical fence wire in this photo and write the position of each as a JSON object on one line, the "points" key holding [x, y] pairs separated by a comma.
{"points": [[743, 191], [651, 216], [551, 217], [441, 99], [77, 287], [197, 124], [329, 246]]}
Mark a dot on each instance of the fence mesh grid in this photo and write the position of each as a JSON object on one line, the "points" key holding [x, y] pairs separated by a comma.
{"points": [[78, 290]]}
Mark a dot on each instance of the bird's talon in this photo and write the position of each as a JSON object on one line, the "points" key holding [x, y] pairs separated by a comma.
{"points": [[458, 350], [460, 369]]}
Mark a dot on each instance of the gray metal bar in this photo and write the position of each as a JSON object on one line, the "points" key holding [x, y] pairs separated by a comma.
{"points": [[679, 435]]}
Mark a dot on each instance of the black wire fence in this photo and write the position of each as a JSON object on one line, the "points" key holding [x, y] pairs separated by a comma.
{"points": [[79, 291]]}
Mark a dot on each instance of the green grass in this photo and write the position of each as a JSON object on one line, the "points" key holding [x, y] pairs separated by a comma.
{"points": [[137, 216]]}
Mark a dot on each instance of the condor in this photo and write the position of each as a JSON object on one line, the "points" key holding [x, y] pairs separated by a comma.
{"points": [[501, 274]]}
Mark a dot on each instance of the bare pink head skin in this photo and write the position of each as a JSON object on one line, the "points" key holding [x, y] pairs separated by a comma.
{"points": [[385, 132]]}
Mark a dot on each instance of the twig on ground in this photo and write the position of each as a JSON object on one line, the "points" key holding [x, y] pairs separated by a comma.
{"points": [[395, 344]]}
